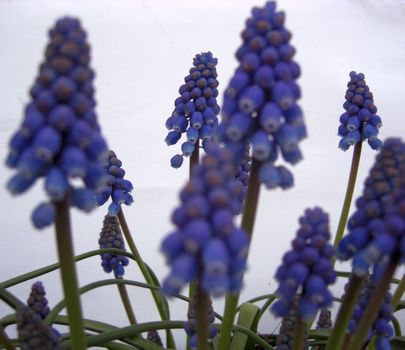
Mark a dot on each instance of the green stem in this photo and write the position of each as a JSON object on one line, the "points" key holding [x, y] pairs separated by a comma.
{"points": [[202, 318], [126, 303], [345, 313], [299, 333], [68, 273], [5, 340], [194, 161], [396, 298], [248, 220], [145, 273], [373, 306], [349, 195]]}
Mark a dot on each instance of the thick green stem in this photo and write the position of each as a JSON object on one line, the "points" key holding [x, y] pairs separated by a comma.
{"points": [[373, 306], [126, 303], [349, 195], [248, 220], [299, 334], [148, 278], [194, 161], [68, 274], [345, 313], [5, 340], [202, 318], [396, 298]]}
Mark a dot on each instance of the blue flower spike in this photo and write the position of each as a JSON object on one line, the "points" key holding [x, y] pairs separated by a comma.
{"points": [[37, 300], [196, 110], [376, 226], [118, 188], [111, 237], [206, 242], [260, 103], [360, 121], [307, 268], [59, 138]]}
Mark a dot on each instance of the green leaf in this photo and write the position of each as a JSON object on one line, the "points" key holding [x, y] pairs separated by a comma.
{"points": [[398, 343], [249, 315]]}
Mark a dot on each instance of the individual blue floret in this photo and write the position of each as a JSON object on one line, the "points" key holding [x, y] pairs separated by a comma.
{"points": [[111, 237], [374, 230], [206, 243], [196, 110], [59, 138], [307, 269], [191, 325], [118, 189], [33, 334], [260, 103], [360, 121]]}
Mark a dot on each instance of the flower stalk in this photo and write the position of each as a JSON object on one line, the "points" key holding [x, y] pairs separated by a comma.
{"points": [[202, 318], [68, 273], [126, 303], [299, 333]]}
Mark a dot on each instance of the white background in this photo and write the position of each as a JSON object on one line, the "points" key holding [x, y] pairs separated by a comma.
{"points": [[141, 50]]}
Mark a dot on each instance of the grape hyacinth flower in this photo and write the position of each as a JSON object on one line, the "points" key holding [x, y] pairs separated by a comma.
{"points": [[324, 319], [307, 268], [284, 340], [196, 110], [360, 121], [33, 334], [154, 337], [117, 187], [37, 300], [260, 103], [206, 242], [111, 237], [59, 138], [381, 328], [374, 230], [191, 325]]}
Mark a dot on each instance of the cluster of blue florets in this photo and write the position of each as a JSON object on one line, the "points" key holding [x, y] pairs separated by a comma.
{"points": [[117, 187], [360, 121], [206, 243], [111, 237], [37, 300], [307, 268], [191, 325], [381, 328], [260, 102], [59, 137], [324, 319], [196, 109], [374, 232], [33, 334]]}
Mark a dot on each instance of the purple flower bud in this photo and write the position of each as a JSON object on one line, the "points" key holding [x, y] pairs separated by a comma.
{"points": [[43, 215]]}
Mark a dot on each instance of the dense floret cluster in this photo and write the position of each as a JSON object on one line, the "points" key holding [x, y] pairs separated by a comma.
{"points": [[154, 337], [59, 138], [324, 319], [381, 328], [117, 187], [33, 334], [360, 121], [373, 232], [206, 240], [196, 110], [260, 102], [307, 269], [37, 300], [111, 237], [191, 325]]}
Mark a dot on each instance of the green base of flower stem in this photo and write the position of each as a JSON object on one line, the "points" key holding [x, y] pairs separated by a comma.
{"points": [[345, 313], [373, 306], [68, 274], [202, 318], [5, 340], [348, 196], [148, 278], [248, 220], [126, 303], [299, 334]]}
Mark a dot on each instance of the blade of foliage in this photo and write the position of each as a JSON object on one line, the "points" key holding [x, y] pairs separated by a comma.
{"points": [[249, 315], [9, 298]]}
